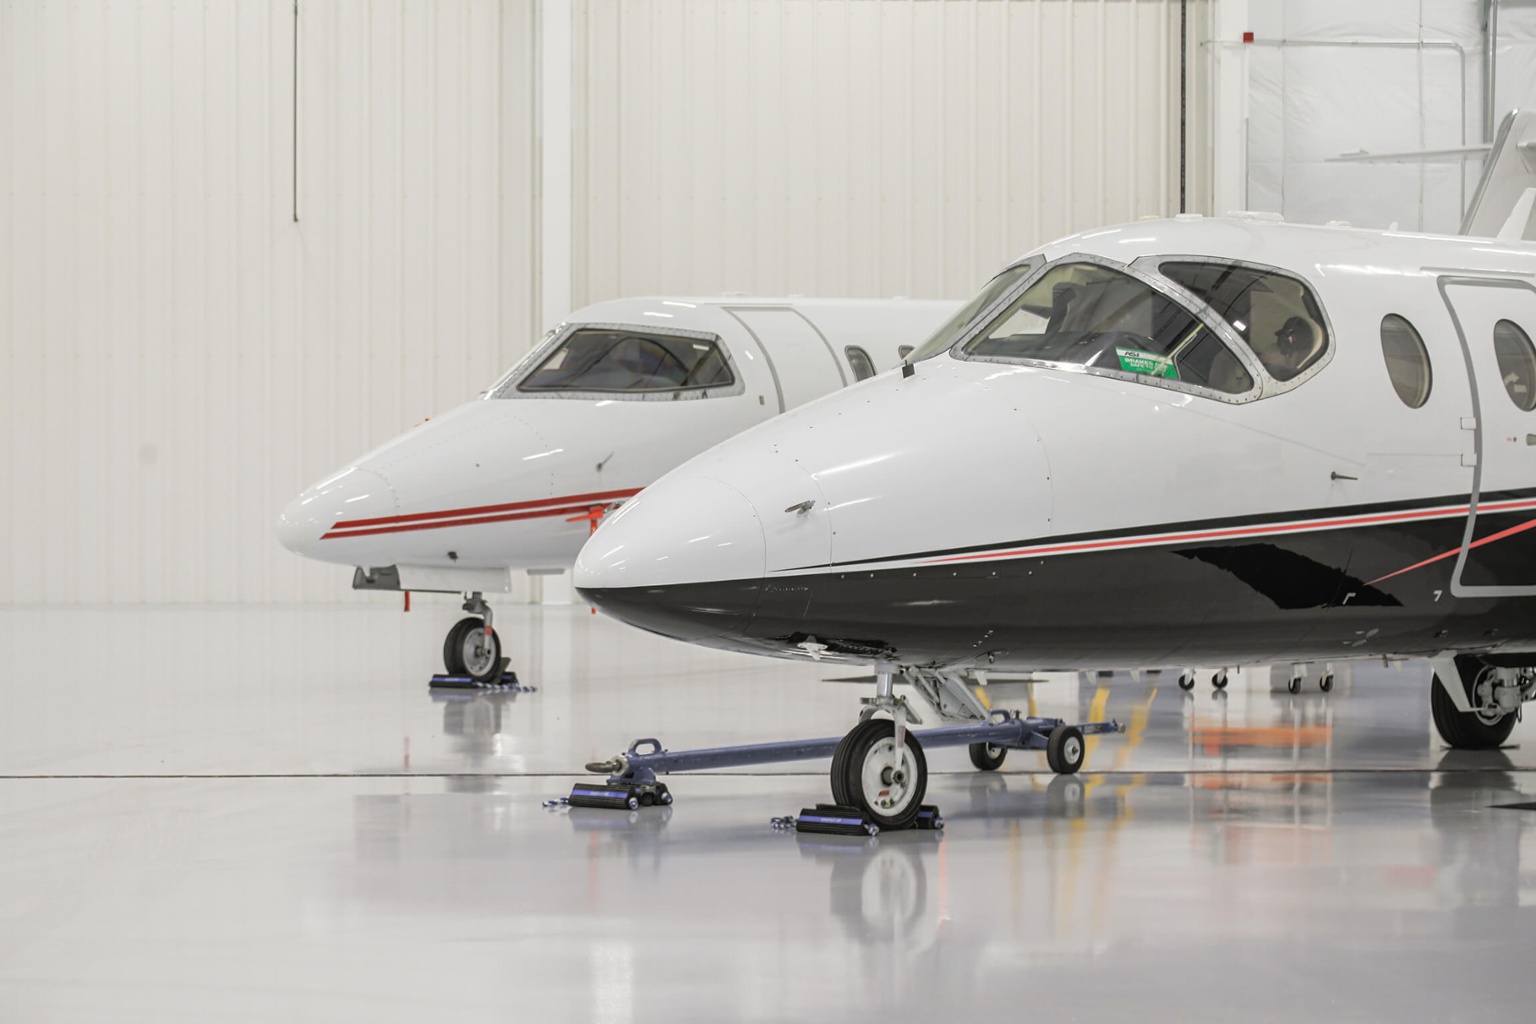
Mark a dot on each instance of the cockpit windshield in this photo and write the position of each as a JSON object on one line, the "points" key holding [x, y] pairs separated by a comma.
{"points": [[1275, 314], [1090, 315], [616, 359], [949, 333]]}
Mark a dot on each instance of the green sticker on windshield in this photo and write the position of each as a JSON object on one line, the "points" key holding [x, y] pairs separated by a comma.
{"points": [[1135, 361]]}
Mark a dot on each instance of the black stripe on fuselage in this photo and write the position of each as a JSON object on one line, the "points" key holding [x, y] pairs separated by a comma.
{"points": [[1291, 596], [1228, 523]]}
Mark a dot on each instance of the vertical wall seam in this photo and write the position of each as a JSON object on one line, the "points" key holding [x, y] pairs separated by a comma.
{"points": [[1036, 106]]}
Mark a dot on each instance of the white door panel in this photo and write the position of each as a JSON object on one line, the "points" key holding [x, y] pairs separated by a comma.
{"points": [[1505, 431], [802, 361]]}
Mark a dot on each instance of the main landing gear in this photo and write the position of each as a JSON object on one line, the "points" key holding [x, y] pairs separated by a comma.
{"points": [[879, 772], [472, 647], [1482, 709]]}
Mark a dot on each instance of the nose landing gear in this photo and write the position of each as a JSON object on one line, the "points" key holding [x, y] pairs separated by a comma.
{"points": [[884, 780], [879, 772], [472, 648]]}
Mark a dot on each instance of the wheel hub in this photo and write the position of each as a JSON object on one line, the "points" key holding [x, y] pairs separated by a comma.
{"points": [[1484, 693], [477, 653], [887, 776]]}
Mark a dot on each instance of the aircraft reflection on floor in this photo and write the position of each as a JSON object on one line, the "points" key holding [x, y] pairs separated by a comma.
{"points": [[878, 887], [473, 727], [1484, 863], [166, 829], [1082, 875]]}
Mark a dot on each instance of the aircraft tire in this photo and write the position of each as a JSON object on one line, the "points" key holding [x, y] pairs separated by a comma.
{"points": [[1065, 750], [486, 668], [840, 794], [986, 756], [889, 791], [1465, 730], [453, 645]]}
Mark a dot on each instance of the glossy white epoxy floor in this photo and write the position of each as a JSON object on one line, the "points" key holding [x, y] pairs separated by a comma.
{"points": [[261, 814]]}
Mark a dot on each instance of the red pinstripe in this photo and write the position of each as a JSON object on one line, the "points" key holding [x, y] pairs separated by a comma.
{"points": [[1445, 512], [477, 515]]}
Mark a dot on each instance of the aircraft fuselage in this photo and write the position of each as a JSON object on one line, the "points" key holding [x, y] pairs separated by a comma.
{"points": [[618, 395], [1178, 480]]}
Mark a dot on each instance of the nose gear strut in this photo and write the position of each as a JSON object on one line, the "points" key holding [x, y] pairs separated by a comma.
{"points": [[472, 649]]}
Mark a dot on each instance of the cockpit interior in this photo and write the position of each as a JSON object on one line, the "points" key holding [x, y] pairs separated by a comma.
{"points": [[1207, 325]]}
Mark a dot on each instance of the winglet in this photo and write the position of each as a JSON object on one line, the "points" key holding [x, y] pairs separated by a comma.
{"points": [[1514, 228]]}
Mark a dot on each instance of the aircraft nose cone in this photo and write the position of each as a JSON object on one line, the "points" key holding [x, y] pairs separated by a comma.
{"points": [[317, 522], [684, 559]]}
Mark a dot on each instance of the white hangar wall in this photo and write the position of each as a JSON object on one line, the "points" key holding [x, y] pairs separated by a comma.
{"points": [[864, 147], [181, 355]]}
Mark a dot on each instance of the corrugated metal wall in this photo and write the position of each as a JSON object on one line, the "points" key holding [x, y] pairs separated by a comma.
{"points": [[180, 355], [861, 147]]}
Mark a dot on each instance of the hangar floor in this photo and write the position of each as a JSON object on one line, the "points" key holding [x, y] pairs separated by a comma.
{"points": [[262, 814]]}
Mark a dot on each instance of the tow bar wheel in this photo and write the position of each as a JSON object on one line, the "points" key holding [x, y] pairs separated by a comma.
{"points": [[987, 757], [870, 773], [1065, 750]]}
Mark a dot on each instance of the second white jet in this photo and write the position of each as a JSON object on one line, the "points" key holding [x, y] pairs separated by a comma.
{"points": [[618, 395]]}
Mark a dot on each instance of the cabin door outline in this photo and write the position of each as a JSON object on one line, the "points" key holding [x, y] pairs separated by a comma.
{"points": [[1483, 385], [804, 376]]}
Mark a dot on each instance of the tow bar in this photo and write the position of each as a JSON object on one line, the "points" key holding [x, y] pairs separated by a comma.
{"points": [[632, 782]]}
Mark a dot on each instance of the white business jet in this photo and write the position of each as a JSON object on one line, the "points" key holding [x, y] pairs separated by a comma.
{"points": [[613, 398], [1179, 442]]}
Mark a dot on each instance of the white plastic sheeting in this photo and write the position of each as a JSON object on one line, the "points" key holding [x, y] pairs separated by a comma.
{"points": [[1381, 76]]}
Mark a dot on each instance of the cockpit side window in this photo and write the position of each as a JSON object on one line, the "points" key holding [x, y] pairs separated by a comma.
{"points": [[950, 331], [1098, 317], [1275, 314], [859, 361], [604, 359]]}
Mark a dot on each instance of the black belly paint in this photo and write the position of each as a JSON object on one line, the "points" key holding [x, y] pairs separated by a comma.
{"points": [[1282, 597]]}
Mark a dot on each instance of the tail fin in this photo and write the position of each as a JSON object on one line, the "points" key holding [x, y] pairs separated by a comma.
{"points": [[1501, 207]]}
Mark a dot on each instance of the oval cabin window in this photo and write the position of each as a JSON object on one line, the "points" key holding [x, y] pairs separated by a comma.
{"points": [[1517, 363], [1407, 360]]}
